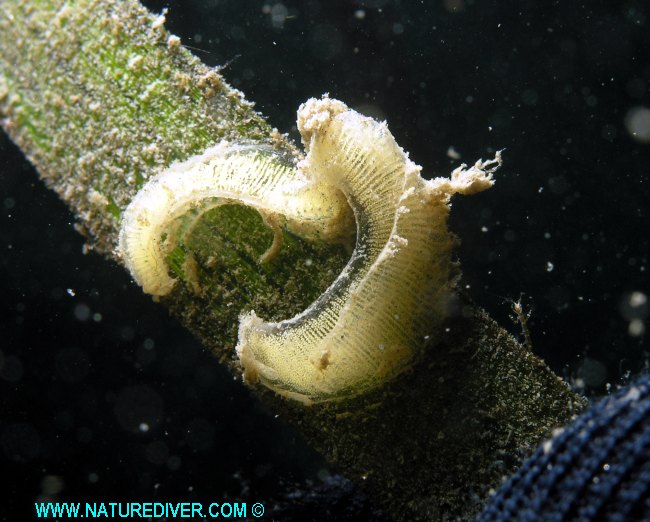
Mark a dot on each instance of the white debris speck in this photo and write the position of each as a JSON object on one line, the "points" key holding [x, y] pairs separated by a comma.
{"points": [[453, 153], [97, 199], [173, 42], [149, 90], [547, 446], [634, 307], [150, 150], [638, 299], [633, 394], [637, 123], [407, 193], [134, 62], [159, 21], [636, 328], [549, 266], [70, 292]]}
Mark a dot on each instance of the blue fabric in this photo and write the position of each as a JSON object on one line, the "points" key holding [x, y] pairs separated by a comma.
{"points": [[597, 468]]}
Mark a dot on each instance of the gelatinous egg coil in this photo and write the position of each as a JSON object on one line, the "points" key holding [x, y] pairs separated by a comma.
{"points": [[371, 322]]}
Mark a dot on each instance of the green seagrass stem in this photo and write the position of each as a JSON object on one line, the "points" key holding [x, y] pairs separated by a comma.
{"points": [[99, 97]]}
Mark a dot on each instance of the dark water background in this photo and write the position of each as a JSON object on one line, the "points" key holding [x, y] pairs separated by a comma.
{"points": [[103, 398]]}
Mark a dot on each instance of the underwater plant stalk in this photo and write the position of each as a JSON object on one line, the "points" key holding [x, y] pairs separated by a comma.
{"points": [[101, 98]]}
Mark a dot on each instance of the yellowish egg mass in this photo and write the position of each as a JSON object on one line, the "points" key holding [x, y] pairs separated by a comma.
{"points": [[370, 324]]}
